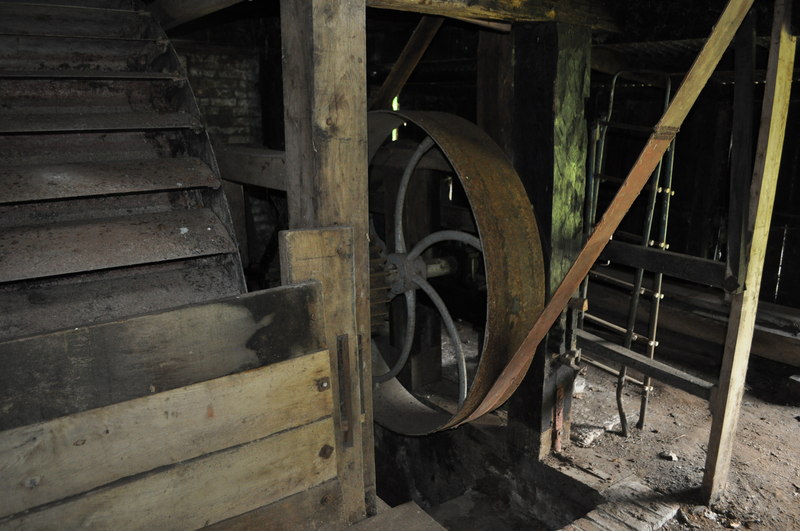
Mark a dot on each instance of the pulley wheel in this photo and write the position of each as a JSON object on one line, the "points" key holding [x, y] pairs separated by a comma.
{"points": [[507, 238]]}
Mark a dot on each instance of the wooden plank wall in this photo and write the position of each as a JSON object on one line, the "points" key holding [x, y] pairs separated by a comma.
{"points": [[65, 372], [741, 323], [230, 445], [327, 254]]}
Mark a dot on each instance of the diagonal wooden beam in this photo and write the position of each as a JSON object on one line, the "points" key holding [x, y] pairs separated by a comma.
{"points": [[409, 58], [657, 144], [775, 109]]}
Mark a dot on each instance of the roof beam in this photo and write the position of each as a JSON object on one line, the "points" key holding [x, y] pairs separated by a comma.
{"points": [[593, 13]]}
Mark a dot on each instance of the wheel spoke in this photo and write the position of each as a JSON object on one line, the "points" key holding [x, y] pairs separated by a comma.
{"points": [[399, 237], [408, 338], [443, 236], [461, 361]]}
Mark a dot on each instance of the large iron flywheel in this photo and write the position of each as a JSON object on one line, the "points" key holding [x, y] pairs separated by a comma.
{"points": [[500, 231]]}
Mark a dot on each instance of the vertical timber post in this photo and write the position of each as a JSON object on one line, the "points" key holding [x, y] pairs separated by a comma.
{"points": [[726, 404], [325, 112], [544, 101]]}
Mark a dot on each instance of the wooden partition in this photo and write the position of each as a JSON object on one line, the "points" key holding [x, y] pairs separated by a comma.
{"points": [[228, 449]]}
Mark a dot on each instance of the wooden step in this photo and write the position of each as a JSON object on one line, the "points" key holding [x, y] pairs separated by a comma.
{"points": [[75, 21], [81, 96], [65, 181], [66, 248], [42, 305], [70, 147], [406, 517], [127, 5], [34, 53], [90, 75], [131, 121]]}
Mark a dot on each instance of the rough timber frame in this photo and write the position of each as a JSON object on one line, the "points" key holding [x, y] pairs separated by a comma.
{"points": [[326, 116]]}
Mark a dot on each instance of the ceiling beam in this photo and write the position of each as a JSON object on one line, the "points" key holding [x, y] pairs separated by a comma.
{"points": [[593, 13]]}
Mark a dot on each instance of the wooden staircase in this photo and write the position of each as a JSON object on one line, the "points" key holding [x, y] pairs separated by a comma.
{"points": [[110, 197]]}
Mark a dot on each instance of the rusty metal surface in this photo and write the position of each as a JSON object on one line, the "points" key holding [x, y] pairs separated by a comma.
{"points": [[512, 259]]}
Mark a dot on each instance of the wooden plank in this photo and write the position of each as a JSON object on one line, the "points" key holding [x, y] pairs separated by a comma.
{"points": [[409, 58], [324, 78], [741, 149], [315, 509], [683, 266], [408, 516], [70, 455], [596, 345], [65, 372], [39, 182], [656, 146], [595, 14], [35, 251], [774, 112], [203, 491], [252, 165], [327, 255], [120, 121]]}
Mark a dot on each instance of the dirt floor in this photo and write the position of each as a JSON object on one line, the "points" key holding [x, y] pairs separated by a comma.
{"points": [[669, 453]]}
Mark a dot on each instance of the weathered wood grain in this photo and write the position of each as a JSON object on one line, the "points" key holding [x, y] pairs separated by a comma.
{"points": [[315, 509], [774, 112], [203, 491], [595, 14], [325, 104], [65, 372], [70, 455], [327, 255]]}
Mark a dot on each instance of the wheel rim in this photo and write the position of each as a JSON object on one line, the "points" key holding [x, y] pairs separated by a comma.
{"points": [[511, 254]]}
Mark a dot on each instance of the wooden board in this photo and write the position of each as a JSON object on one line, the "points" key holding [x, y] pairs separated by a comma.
{"points": [[315, 509], [408, 517], [775, 108], [65, 372], [327, 255], [203, 491], [36, 251], [70, 455], [595, 13], [592, 13], [252, 165]]}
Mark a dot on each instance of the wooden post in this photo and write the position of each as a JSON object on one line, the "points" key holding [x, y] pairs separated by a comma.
{"points": [[727, 403], [327, 255], [533, 106], [325, 110], [741, 149]]}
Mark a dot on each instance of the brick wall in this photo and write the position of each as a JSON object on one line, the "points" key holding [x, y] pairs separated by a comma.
{"points": [[225, 81]]}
